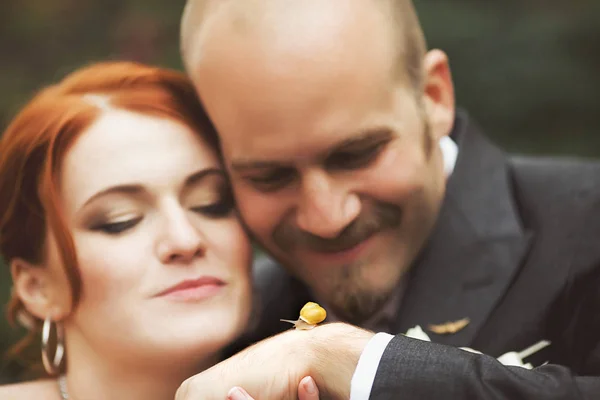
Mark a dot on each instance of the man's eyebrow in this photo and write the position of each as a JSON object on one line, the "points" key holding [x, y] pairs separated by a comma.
{"points": [[249, 164], [360, 139], [364, 138]]}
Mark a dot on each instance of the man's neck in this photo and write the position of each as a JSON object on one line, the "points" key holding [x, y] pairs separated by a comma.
{"points": [[382, 320]]}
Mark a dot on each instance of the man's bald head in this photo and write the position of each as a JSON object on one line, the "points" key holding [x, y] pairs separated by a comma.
{"points": [[327, 114], [406, 33]]}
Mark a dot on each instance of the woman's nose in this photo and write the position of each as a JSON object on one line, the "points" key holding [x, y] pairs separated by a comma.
{"points": [[181, 240]]}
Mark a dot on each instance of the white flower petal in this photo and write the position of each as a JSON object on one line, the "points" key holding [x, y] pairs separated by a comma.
{"points": [[418, 333]]}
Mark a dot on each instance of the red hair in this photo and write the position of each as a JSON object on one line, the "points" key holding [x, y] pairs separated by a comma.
{"points": [[34, 145]]}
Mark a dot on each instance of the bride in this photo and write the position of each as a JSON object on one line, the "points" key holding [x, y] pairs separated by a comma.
{"points": [[119, 227]]}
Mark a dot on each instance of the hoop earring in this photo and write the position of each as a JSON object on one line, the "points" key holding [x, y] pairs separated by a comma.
{"points": [[52, 367]]}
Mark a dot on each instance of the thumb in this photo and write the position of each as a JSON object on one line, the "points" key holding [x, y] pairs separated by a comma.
{"points": [[238, 393], [307, 389]]}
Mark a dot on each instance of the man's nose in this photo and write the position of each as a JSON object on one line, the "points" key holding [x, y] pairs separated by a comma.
{"points": [[326, 207], [181, 240]]}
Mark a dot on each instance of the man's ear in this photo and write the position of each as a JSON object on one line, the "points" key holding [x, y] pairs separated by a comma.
{"points": [[439, 93], [35, 288]]}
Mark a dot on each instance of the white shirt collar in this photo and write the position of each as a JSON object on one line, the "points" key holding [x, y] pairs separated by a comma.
{"points": [[449, 153]]}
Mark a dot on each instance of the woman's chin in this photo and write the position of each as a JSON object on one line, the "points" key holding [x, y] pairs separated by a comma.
{"points": [[170, 335], [194, 342]]}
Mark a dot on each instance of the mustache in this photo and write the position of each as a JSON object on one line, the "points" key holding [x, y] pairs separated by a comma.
{"points": [[375, 217]]}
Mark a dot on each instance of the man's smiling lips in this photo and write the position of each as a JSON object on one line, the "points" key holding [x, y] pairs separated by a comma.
{"points": [[342, 255]]}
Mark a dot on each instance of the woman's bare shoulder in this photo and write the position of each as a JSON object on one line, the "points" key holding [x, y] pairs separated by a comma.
{"points": [[42, 389]]}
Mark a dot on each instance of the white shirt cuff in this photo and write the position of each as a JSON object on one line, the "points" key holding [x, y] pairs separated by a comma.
{"points": [[366, 369]]}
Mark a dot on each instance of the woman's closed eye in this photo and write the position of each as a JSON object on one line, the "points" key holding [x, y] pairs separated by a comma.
{"points": [[219, 209], [117, 227]]}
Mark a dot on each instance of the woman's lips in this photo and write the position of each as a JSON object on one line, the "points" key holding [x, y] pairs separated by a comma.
{"points": [[193, 289]]}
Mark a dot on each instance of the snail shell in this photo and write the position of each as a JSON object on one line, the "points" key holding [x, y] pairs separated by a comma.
{"points": [[312, 313]]}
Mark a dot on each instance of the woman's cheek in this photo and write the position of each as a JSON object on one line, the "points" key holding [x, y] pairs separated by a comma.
{"points": [[106, 273], [231, 244]]}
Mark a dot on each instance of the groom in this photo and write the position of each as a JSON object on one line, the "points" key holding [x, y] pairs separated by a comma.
{"points": [[353, 169]]}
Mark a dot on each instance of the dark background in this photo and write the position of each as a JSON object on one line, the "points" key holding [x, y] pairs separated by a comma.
{"points": [[527, 70]]}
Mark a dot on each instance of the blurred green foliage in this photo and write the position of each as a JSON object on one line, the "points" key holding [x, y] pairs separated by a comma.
{"points": [[527, 70]]}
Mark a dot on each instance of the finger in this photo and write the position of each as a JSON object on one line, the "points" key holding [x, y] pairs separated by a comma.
{"points": [[182, 391], [307, 389], [237, 393]]}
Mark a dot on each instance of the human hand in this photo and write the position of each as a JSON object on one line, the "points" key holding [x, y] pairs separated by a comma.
{"points": [[307, 390], [273, 368]]}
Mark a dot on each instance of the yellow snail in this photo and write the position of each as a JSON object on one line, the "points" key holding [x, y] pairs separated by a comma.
{"points": [[310, 315]]}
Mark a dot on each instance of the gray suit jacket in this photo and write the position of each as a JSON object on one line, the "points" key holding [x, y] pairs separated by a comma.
{"points": [[516, 249]]}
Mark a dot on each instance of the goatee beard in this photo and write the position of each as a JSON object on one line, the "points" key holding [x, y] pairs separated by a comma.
{"points": [[358, 307]]}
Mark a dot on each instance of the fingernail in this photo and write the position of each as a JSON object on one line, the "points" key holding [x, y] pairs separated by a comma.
{"points": [[309, 385], [237, 393]]}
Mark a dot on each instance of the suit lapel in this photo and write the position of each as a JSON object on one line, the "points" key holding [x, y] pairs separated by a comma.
{"points": [[475, 249]]}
